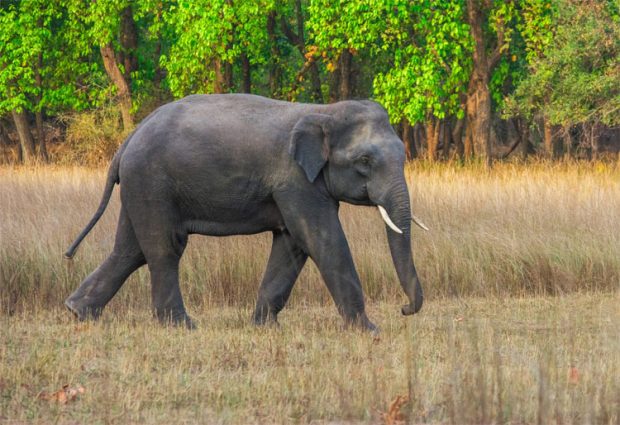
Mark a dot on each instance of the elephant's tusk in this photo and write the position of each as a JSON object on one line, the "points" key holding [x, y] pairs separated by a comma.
{"points": [[417, 221], [388, 221]]}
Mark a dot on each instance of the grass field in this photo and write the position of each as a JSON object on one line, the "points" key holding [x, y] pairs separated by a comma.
{"points": [[521, 271]]}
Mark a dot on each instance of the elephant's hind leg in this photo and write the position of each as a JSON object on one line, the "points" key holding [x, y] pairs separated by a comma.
{"points": [[163, 244], [285, 263], [101, 285]]}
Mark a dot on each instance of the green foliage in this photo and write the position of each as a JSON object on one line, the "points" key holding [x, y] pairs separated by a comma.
{"points": [[36, 39], [431, 55], [558, 58], [576, 78], [205, 31]]}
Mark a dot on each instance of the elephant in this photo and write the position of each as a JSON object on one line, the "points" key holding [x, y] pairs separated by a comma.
{"points": [[240, 164]]}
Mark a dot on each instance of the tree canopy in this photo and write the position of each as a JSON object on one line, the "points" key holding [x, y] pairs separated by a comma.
{"points": [[452, 74]]}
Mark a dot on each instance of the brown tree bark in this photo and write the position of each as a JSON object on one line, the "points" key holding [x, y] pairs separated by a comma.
{"points": [[567, 142], [110, 62], [548, 139], [345, 65], [39, 114], [523, 130], [468, 148], [432, 138], [408, 139], [26, 140], [457, 137], [446, 139], [478, 104], [223, 76], [129, 43]]}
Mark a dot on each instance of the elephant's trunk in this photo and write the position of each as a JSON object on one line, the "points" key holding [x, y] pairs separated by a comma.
{"points": [[397, 208]]}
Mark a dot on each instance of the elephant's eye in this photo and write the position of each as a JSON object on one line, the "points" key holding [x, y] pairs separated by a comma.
{"points": [[362, 165]]}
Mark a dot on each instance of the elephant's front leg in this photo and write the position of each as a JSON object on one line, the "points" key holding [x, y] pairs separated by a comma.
{"points": [[312, 219], [285, 263]]}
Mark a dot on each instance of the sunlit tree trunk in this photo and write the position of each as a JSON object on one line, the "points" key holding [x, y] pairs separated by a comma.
{"points": [[26, 140], [39, 114], [110, 63], [432, 138], [478, 105], [345, 64]]}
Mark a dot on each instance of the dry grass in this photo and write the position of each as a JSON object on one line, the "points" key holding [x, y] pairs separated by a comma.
{"points": [[514, 231], [533, 360], [489, 347]]}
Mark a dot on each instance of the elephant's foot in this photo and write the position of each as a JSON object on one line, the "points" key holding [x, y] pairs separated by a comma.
{"points": [[267, 321], [361, 322], [265, 316], [83, 311], [176, 318]]}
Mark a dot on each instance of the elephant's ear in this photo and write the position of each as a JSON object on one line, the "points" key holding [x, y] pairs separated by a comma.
{"points": [[310, 143]]}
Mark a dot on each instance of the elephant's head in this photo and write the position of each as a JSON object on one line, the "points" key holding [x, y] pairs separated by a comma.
{"points": [[362, 160]]}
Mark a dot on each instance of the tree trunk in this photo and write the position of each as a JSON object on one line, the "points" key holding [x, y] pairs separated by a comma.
{"points": [[446, 139], [568, 142], [457, 137], [25, 136], [478, 95], [129, 43], [344, 68], [247, 73], [548, 139], [223, 76], [408, 139], [39, 113], [41, 136], [432, 138], [468, 148], [124, 94], [523, 132], [418, 138], [218, 84]]}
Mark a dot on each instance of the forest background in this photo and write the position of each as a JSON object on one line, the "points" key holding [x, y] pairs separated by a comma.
{"points": [[461, 79]]}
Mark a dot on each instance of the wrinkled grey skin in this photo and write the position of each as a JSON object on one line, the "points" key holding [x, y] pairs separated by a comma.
{"points": [[241, 164]]}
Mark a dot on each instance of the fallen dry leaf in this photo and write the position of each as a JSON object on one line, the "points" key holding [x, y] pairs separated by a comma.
{"points": [[394, 416], [573, 375], [64, 395]]}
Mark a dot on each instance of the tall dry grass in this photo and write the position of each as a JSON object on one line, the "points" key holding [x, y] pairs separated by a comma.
{"points": [[488, 347], [514, 230]]}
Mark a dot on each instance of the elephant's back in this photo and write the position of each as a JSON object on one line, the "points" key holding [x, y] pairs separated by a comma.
{"points": [[215, 140]]}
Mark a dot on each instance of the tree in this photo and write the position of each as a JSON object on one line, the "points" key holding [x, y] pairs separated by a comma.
{"points": [[40, 66], [210, 39], [111, 29], [430, 55], [575, 80]]}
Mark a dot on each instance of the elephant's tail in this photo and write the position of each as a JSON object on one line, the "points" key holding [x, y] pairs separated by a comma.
{"points": [[112, 179]]}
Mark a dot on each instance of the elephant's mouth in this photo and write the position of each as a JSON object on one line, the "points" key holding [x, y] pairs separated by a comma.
{"points": [[361, 198]]}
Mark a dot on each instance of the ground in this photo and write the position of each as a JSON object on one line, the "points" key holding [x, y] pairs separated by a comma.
{"points": [[463, 361]]}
